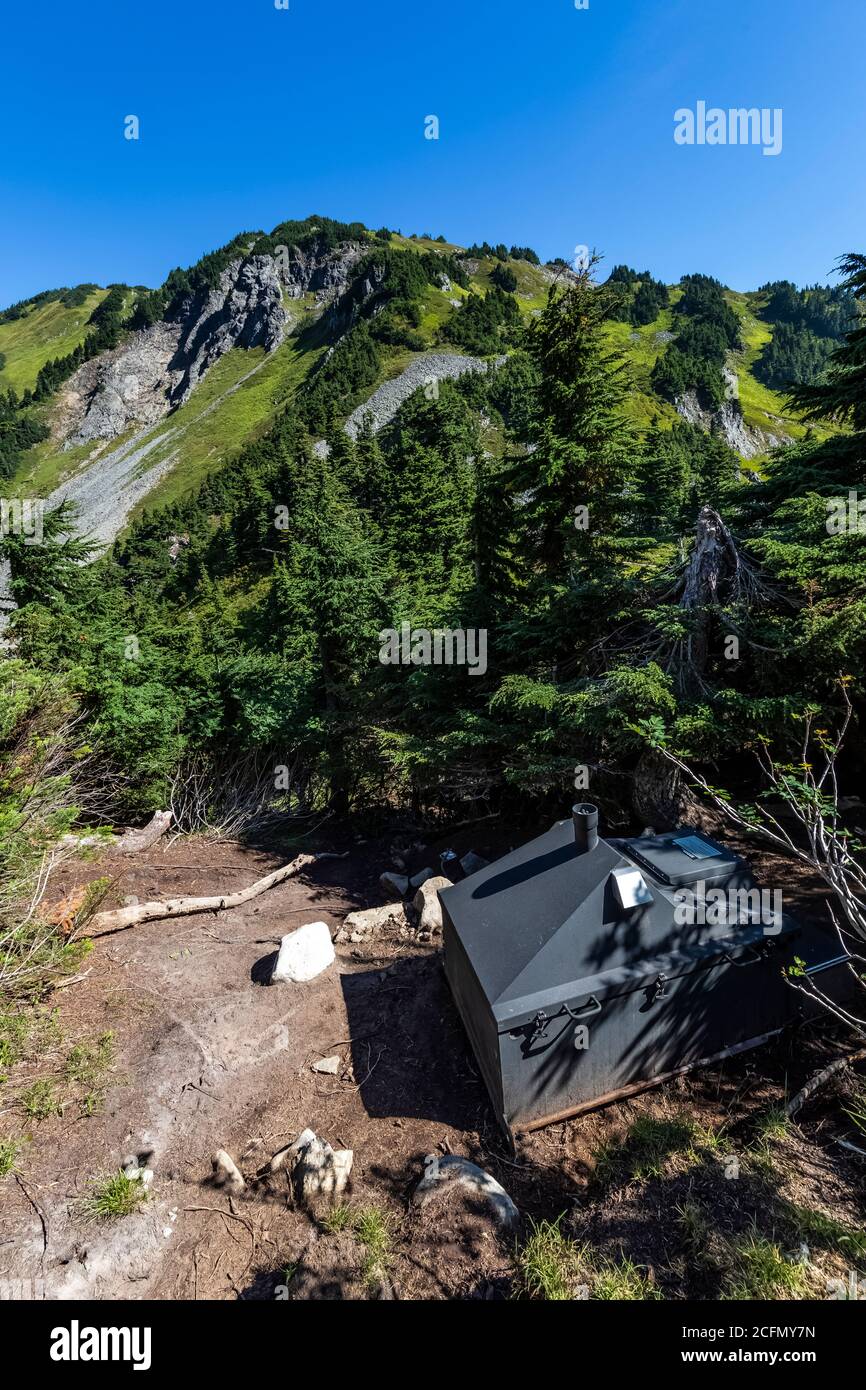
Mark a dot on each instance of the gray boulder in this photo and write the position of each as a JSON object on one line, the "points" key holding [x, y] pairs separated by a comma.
{"points": [[427, 905]]}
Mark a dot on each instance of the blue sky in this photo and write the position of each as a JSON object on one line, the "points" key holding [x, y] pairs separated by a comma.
{"points": [[556, 130]]}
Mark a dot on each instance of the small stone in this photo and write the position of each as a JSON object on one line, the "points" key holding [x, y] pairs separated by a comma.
{"points": [[372, 919], [227, 1174], [317, 1171], [287, 1157], [304, 954], [394, 884], [329, 1065], [421, 877], [472, 863], [451, 1169], [427, 905]]}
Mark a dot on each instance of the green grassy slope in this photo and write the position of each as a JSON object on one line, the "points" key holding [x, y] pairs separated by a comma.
{"points": [[46, 331], [761, 407], [240, 396], [236, 401]]}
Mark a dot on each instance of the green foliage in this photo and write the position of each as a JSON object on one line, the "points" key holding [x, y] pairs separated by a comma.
{"points": [[354, 364], [792, 356], [19, 431], [37, 759], [635, 296], [504, 278], [256, 643], [114, 1196], [818, 310], [708, 329], [9, 1150], [760, 1270], [40, 1101], [107, 326], [484, 324], [553, 1268]]}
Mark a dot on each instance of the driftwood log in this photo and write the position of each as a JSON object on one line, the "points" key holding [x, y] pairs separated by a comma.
{"points": [[136, 841], [119, 918]]}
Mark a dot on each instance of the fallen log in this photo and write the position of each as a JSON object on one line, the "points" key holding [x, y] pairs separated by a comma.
{"points": [[136, 841], [119, 918], [817, 1081]]}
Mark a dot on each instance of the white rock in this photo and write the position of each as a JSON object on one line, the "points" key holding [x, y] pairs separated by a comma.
{"points": [[372, 919], [451, 1168], [322, 1171], [329, 1065], [227, 1174], [420, 878], [472, 862], [317, 1171], [394, 884], [304, 954], [287, 1157], [426, 903]]}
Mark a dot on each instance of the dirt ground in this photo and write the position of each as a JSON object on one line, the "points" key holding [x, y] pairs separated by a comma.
{"points": [[210, 1056]]}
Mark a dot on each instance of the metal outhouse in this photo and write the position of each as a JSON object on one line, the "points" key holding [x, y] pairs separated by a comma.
{"points": [[587, 969]]}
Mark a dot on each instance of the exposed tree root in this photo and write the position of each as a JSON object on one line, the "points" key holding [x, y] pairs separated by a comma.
{"points": [[817, 1081]]}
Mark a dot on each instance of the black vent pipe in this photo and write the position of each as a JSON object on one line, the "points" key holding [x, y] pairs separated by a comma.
{"points": [[585, 818]]}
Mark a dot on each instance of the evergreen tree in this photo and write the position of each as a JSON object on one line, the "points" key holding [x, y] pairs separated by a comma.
{"points": [[583, 450]]}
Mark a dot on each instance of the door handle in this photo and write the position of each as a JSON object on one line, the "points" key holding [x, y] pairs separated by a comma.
{"points": [[745, 959], [589, 1010]]}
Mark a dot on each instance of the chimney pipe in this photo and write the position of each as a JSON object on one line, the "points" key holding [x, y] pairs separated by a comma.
{"points": [[585, 818]]}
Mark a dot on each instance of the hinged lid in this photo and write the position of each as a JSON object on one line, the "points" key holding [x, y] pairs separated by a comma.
{"points": [[548, 924]]}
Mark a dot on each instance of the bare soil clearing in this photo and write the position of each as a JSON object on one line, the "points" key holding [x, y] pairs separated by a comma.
{"points": [[210, 1056]]}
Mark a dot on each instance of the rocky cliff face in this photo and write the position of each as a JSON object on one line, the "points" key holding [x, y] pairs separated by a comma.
{"points": [[119, 388], [157, 369], [324, 273], [244, 310], [746, 440]]}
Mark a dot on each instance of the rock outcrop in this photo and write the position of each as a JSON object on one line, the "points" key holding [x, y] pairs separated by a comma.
{"points": [[727, 422], [244, 310], [127, 386], [324, 273], [157, 369]]}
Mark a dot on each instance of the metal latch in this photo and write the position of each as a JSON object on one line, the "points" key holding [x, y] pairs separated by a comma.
{"points": [[659, 988], [542, 1020], [539, 1027]]}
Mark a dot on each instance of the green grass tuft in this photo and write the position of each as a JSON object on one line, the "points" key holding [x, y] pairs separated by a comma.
{"points": [[551, 1266], [40, 1101], [114, 1196], [759, 1270], [371, 1227], [337, 1219], [9, 1150], [856, 1111], [647, 1147]]}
